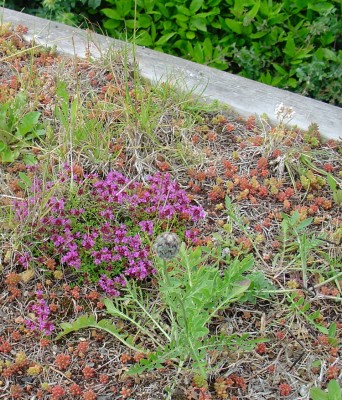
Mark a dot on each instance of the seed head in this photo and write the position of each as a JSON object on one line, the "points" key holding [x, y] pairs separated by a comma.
{"points": [[167, 245]]}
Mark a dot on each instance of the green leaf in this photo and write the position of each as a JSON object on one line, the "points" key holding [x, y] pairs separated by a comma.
{"points": [[89, 321], [322, 329], [199, 23], [334, 390], [3, 145], [216, 24], [258, 35], [29, 159], [113, 14], [181, 44], [238, 9], [207, 14], [279, 69], [144, 21], [320, 7], [144, 39], [94, 3], [195, 5], [235, 293], [111, 24], [84, 321], [25, 181], [337, 193], [165, 38], [332, 182], [28, 122], [290, 47], [329, 54], [124, 7], [337, 196], [181, 18], [130, 23], [183, 10], [148, 5], [302, 53], [332, 330], [213, 3], [109, 327], [304, 224], [198, 330], [8, 155], [190, 35], [234, 25], [254, 11], [208, 48], [266, 78], [291, 82], [163, 10], [36, 133], [318, 394]]}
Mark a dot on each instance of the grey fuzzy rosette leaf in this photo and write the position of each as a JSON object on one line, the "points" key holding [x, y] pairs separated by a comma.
{"points": [[167, 245]]}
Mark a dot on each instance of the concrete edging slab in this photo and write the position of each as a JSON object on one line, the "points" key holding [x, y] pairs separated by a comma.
{"points": [[244, 95]]}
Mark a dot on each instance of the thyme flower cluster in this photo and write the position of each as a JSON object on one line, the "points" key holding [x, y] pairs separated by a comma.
{"points": [[101, 228], [41, 312]]}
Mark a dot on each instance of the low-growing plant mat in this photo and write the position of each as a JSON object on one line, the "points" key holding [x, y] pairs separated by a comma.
{"points": [[260, 208]]}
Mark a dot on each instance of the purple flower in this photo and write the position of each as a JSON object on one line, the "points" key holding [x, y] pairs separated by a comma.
{"points": [[166, 211], [146, 226], [108, 286], [88, 232], [41, 312], [56, 205], [72, 258], [139, 269], [24, 259], [89, 240], [76, 212], [107, 214], [102, 256]]}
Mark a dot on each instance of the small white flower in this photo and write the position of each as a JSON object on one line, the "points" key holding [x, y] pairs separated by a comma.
{"points": [[283, 112], [225, 252]]}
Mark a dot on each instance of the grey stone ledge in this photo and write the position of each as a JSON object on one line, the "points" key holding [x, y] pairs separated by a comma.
{"points": [[245, 96]]}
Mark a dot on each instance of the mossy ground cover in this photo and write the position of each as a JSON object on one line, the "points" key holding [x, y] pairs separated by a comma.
{"points": [[95, 164]]}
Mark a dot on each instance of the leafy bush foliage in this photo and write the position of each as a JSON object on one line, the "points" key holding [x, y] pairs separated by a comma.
{"points": [[73, 12], [289, 44]]}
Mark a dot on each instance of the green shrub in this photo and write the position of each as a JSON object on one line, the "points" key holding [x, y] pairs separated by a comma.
{"points": [[70, 12], [288, 44]]}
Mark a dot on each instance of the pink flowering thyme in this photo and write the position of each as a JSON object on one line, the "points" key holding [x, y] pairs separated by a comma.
{"points": [[102, 230], [41, 312]]}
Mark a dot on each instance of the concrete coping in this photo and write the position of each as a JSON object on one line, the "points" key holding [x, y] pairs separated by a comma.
{"points": [[245, 96]]}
